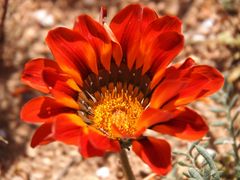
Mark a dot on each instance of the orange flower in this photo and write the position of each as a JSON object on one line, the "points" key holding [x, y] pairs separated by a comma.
{"points": [[109, 84]]}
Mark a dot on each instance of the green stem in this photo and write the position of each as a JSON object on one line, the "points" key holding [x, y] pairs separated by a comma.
{"points": [[231, 131], [126, 166], [234, 145]]}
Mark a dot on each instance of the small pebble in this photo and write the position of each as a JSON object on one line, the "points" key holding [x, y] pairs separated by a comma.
{"points": [[43, 17], [103, 172], [198, 38]]}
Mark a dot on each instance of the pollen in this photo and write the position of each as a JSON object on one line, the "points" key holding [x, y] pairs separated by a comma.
{"points": [[117, 114]]}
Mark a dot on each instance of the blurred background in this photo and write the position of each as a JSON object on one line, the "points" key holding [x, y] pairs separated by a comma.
{"points": [[212, 36]]}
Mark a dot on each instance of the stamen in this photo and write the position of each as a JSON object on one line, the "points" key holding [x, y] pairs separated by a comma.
{"points": [[119, 111], [114, 100]]}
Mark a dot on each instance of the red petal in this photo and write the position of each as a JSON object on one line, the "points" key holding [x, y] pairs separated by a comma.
{"points": [[162, 51], [186, 124], [128, 26], [116, 47], [152, 116], [148, 16], [63, 88], [32, 73], [42, 109], [159, 74], [214, 82], [86, 148], [43, 135], [103, 142], [156, 153], [72, 52], [67, 128], [163, 24], [164, 92], [153, 30], [94, 143], [187, 83], [97, 36], [188, 63]]}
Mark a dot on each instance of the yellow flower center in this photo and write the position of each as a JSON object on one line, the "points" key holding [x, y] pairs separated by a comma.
{"points": [[117, 114]]}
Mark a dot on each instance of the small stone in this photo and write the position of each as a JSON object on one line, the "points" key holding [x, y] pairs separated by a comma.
{"points": [[46, 161], [31, 152], [103, 172], [89, 2], [198, 38], [206, 26], [30, 35], [43, 17], [37, 176], [17, 178]]}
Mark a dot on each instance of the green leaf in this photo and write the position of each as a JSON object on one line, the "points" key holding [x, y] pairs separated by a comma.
{"points": [[223, 140], [238, 171], [206, 156], [212, 173], [205, 144], [181, 153], [217, 110], [209, 161], [231, 153], [192, 146], [218, 123], [233, 101], [181, 163], [215, 174], [194, 173], [237, 168], [229, 87], [186, 174]]}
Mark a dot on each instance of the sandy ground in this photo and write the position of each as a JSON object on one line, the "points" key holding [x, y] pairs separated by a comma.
{"points": [[212, 36]]}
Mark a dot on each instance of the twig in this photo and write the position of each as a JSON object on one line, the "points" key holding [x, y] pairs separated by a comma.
{"points": [[126, 166], [65, 170], [212, 139], [3, 17], [232, 132], [150, 176], [2, 23], [3, 140]]}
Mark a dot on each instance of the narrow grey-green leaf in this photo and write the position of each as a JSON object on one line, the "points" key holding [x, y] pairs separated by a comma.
{"points": [[194, 173], [181, 153], [192, 146], [218, 123], [229, 88], [186, 174], [233, 101], [215, 174], [206, 156], [223, 140], [181, 163], [217, 110]]}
